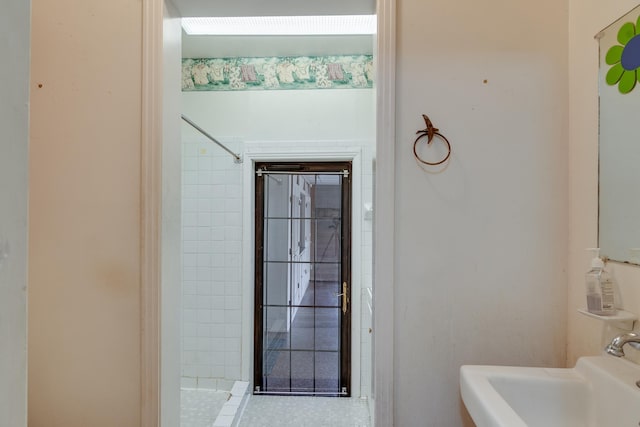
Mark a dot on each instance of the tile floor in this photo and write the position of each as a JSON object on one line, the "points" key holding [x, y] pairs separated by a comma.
{"points": [[305, 411], [200, 407], [306, 359]]}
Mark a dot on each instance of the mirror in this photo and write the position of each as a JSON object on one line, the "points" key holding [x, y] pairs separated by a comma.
{"points": [[619, 142]]}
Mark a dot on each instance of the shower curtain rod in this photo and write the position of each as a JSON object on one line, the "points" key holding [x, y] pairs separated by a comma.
{"points": [[237, 158]]}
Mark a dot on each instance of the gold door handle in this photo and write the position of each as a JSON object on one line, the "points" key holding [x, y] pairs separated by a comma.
{"points": [[345, 297]]}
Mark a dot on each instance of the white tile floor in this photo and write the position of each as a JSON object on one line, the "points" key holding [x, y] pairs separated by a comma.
{"points": [[200, 407], [303, 411]]}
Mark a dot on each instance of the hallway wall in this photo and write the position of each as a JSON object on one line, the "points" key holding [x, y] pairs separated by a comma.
{"points": [[14, 147], [587, 336], [480, 263], [84, 237]]}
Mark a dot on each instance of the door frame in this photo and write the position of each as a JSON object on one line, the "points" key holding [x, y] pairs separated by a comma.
{"points": [[346, 331], [384, 217], [154, 367], [323, 151]]}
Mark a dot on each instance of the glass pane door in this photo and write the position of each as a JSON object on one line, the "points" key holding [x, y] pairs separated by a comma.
{"points": [[302, 315]]}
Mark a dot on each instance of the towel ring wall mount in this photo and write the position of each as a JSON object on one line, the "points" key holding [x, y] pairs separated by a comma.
{"points": [[430, 132]]}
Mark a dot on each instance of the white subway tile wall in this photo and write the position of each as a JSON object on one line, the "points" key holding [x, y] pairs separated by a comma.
{"points": [[212, 233]]}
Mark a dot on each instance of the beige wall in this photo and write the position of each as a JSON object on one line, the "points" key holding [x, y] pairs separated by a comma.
{"points": [[587, 336], [84, 338], [504, 190], [481, 248]]}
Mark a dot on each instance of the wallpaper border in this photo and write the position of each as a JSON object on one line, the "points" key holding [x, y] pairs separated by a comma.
{"points": [[277, 73]]}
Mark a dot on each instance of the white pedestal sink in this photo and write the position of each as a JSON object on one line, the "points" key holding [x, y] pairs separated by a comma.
{"points": [[599, 391]]}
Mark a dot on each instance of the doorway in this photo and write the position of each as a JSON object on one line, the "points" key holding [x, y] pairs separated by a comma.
{"points": [[362, 209], [302, 330]]}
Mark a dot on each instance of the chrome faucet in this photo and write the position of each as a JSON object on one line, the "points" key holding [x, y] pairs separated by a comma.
{"points": [[615, 347]]}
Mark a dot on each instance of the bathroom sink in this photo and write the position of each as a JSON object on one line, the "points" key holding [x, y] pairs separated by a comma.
{"points": [[600, 391]]}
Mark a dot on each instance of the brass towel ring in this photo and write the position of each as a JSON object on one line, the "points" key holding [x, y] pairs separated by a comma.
{"points": [[430, 132]]}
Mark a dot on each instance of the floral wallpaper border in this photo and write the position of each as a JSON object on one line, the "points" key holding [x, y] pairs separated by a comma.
{"points": [[272, 73]]}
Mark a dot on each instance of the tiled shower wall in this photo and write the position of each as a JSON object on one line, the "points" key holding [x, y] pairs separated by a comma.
{"points": [[212, 242]]}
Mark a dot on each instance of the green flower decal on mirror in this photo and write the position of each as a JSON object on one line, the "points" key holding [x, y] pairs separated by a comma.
{"points": [[625, 58]]}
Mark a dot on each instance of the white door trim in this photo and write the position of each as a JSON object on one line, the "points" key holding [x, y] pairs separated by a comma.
{"points": [[151, 213], [384, 216]]}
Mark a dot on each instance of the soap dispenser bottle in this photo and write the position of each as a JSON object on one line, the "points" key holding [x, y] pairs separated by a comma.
{"points": [[599, 288]]}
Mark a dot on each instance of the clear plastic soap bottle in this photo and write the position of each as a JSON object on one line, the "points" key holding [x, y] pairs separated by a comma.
{"points": [[600, 287]]}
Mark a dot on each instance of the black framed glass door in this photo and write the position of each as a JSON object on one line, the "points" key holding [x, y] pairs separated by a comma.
{"points": [[302, 278]]}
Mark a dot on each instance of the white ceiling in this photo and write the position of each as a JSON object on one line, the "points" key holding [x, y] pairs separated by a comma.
{"points": [[251, 46], [188, 8]]}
